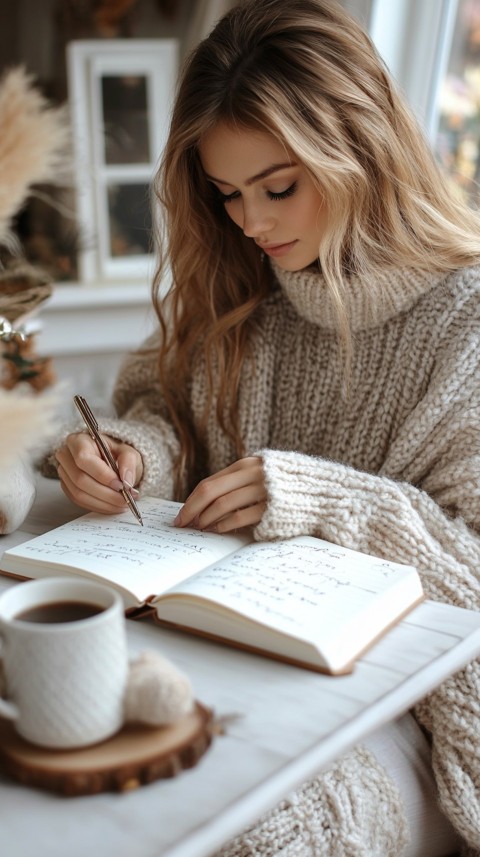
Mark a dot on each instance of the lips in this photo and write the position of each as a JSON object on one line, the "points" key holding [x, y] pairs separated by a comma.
{"points": [[278, 249]]}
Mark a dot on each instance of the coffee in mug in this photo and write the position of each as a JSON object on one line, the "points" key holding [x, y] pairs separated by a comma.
{"points": [[59, 611], [65, 659]]}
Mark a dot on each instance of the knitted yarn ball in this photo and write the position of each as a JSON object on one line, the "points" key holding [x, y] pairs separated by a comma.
{"points": [[157, 693]]}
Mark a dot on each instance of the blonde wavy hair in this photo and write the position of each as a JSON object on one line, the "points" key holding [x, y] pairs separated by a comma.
{"points": [[305, 72]]}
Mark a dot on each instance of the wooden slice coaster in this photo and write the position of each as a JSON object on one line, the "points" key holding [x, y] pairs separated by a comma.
{"points": [[135, 756]]}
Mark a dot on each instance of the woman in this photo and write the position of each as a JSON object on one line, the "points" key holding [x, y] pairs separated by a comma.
{"points": [[317, 372]]}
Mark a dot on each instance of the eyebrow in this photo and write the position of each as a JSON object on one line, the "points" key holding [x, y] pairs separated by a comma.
{"points": [[263, 175]]}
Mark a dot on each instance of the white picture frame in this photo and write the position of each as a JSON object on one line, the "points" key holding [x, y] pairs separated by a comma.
{"points": [[120, 95]]}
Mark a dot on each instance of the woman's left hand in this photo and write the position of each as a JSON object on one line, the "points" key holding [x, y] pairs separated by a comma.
{"points": [[229, 500]]}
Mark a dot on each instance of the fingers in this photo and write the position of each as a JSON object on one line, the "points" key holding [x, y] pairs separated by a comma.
{"points": [[88, 480], [130, 464], [228, 500], [89, 494], [231, 510], [239, 519]]}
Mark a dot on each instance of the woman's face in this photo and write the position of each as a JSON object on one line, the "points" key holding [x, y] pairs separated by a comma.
{"points": [[267, 193]]}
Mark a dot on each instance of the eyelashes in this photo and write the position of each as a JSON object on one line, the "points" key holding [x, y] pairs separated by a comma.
{"points": [[227, 197], [284, 194]]}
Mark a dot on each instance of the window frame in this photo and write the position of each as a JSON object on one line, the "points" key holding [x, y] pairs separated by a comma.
{"points": [[88, 62]]}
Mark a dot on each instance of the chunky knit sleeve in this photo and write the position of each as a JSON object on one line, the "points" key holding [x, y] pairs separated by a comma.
{"points": [[423, 508], [374, 514]]}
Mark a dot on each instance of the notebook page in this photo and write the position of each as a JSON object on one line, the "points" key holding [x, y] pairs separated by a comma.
{"points": [[305, 587], [142, 560]]}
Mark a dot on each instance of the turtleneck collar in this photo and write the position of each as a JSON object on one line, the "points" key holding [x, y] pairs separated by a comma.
{"points": [[368, 303]]}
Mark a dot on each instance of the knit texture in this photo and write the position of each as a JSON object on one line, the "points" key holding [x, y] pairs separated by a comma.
{"points": [[350, 811], [391, 468]]}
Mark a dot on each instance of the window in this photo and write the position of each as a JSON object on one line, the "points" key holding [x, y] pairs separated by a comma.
{"points": [[432, 49], [120, 96], [457, 138], [36, 35]]}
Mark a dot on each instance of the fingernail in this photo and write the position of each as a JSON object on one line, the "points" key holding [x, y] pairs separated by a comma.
{"points": [[177, 519], [128, 479], [116, 484]]}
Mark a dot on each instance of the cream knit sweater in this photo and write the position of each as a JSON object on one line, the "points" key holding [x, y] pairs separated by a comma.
{"points": [[392, 468]]}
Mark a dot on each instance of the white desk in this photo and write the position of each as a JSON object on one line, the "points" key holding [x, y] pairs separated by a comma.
{"points": [[293, 722]]}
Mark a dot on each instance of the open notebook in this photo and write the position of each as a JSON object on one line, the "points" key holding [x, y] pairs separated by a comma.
{"points": [[302, 600]]}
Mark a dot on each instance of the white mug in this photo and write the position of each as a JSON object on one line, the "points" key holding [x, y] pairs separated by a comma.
{"points": [[64, 654]]}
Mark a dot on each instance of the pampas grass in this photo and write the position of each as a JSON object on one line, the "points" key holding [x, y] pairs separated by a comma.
{"points": [[33, 142]]}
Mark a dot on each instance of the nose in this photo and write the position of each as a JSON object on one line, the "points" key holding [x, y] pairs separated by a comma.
{"points": [[257, 221]]}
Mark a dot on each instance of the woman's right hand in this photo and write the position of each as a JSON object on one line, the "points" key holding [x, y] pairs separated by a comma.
{"points": [[89, 481]]}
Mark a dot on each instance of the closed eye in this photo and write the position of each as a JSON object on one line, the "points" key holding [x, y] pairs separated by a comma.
{"points": [[225, 198], [228, 197], [284, 194]]}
